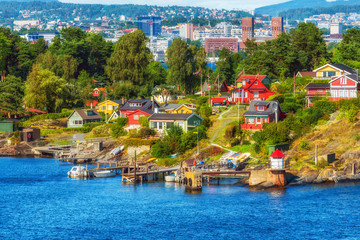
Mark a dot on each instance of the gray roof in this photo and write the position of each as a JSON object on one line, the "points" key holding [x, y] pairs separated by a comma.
{"points": [[84, 114], [344, 68], [273, 105], [146, 105], [318, 85], [165, 116], [168, 106], [120, 102]]}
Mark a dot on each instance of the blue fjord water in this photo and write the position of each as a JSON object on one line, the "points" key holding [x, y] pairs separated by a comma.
{"points": [[38, 201]]}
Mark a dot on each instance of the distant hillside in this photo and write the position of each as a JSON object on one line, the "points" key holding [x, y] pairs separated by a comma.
{"points": [[274, 10], [301, 13]]}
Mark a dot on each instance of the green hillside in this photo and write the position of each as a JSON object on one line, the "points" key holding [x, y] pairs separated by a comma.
{"points": [[276, 9]]}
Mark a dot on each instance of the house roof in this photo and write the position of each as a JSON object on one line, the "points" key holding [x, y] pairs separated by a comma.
{"points": [[10, 120], [137, 111], [353, 77], [307, 74], [344, 68], [34, 110], [175, 117], [251, 77], [339, 66], [165, 116], [83, 114], [169, 106], [272, 107], [277, 154], [146, 105], [120, 102], [318, 85]]}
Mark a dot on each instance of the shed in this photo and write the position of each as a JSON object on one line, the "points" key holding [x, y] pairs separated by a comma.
{"points": [[9, 125], [30, 134]]}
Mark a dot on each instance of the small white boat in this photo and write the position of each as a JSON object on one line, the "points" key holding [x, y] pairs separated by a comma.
{"points": [[78, 172], [105, 174], [170, 178]]}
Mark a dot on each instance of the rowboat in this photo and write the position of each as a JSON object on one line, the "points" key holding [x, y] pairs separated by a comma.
{"points": [[105, 174]]}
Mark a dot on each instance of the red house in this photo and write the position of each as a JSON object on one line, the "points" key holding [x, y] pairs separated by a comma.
{"points": [[251, 87], [133, 118], [134, 109], [261, 112], [315, 90], [344, 87], [340, 87]]}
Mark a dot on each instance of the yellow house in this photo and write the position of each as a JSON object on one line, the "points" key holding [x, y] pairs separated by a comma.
{"points": [[177, 108], [333, 70], [108, 106]]}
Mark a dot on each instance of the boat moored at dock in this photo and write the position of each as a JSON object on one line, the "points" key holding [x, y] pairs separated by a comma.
{"points": [[105, 174]]}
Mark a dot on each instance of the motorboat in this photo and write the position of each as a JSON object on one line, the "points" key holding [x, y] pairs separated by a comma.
{"points": [[78, 172], [170, 178], [105, 174]]}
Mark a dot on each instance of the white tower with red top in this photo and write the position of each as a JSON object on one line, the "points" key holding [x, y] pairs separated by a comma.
{"points": [[277, 160]]}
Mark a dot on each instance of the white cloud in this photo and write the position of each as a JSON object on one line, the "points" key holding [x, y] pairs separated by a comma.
{"points": [[227, 4]]}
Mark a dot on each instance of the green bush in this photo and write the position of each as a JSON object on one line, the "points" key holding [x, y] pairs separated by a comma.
{"points": [[144, 121], [135, 142], [304, 145], [122, 121], [351, 115], [146, 132], [161, 149]]}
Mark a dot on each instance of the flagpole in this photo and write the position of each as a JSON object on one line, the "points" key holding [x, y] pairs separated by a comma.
{"points": [[209, 91]]}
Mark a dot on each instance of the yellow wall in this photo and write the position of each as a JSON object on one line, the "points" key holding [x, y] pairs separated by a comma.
{"points": [[319, 73], [184, 109], [110, 107]]}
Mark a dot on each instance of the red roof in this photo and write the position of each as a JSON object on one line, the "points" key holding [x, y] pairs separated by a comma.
{"points": [[251, 77], [33, 110], [277, 154], [218, 99]]}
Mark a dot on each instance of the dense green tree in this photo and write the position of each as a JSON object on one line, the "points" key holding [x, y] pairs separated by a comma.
{"points": [[156, 74], [4, 51], [348, 51], [129, 61], [11, 95], [44, 90]]}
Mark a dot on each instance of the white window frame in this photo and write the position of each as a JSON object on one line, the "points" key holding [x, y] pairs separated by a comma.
{"points": [[136, 117], [256, 95], [258, 118]]}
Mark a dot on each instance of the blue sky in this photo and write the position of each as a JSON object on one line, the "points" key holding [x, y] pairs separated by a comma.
{"points": [[227, 4]]}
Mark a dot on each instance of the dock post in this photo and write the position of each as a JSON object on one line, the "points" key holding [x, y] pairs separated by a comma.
{"points": [[147, 173], [135, 168]]}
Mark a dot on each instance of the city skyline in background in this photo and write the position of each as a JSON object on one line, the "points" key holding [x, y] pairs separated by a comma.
{"points": [[225, 4]]}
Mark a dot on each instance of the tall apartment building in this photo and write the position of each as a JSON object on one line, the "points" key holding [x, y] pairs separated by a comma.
{"points": [[151, 26], [187, 31], [216, 44], [277, 26], [247, 28]]}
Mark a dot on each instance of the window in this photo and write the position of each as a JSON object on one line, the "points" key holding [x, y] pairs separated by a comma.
{"points": [[319, 91], [110, 107], [261, 108], [142, 115], [343, 80], [265, 120], [154, 124], [256, 94], [103, 108], [182, 111], [114, 107], [258, 120], [329, 74], [334, 93], [181, 124], [251, 120], [136, 117], [160, 125], [256, 83]]}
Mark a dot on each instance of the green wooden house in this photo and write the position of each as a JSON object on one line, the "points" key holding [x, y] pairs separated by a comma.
{"points": [[80, 116], [162, 121], [9, 125]]}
